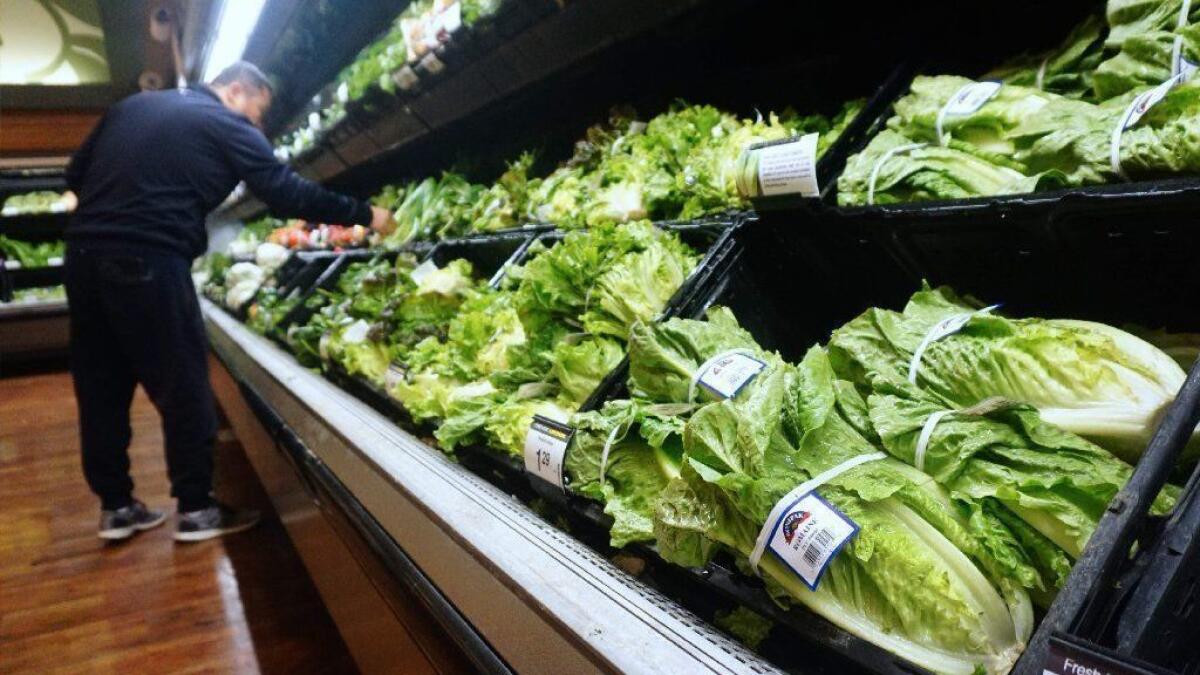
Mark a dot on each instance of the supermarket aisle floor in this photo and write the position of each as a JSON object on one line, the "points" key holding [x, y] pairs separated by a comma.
{"points": [[71, 603]]}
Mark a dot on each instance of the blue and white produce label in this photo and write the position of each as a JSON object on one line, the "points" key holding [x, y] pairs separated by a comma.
{"points": [[726, 374], [808, 535]]}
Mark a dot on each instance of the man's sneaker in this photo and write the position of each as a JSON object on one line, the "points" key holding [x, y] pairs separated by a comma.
{"points": [[215, 521], [127, 521]]}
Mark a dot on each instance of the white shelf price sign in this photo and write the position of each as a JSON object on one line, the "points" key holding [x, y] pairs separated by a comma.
{"points": [[545, 447], [789, 167], [420, 272]]}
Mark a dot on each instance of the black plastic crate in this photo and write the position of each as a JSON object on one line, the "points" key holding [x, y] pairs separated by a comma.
{"points": [[1131, 596]]}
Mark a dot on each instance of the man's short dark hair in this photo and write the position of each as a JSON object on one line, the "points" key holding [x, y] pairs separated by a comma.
{"points": [[247, 73]]}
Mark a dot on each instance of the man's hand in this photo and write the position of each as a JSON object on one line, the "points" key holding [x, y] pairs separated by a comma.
{"points": [[69, 200], [382, 221]]}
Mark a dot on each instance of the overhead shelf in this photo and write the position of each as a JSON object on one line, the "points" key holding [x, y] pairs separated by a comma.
{"points": [[385, 127]]}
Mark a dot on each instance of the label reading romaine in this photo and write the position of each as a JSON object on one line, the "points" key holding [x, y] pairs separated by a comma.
{"points": [[727, 374], [971, 97], [421, 271], [808, 535], [545, 446], [405, 78], [789, 168]]}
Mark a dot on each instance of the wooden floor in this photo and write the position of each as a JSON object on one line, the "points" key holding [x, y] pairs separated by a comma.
{"points": [[71, 603]]}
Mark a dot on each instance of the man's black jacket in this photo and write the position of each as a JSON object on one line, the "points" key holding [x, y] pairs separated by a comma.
{"points": [[158, 162]]}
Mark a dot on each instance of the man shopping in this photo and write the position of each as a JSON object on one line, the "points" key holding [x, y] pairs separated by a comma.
{"points": [[146, 177]]}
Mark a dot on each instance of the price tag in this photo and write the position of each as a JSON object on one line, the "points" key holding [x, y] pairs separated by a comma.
{"points": [[420, 272], [432, 64], [394, 376], [12, 264], [726, 374], [356, 332], [808, 535], [789, 168], [56, 261], [545, 446], [1064, 658], [405, 78]]}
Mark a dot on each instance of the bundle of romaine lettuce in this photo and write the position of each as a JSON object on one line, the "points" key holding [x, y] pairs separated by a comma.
{"points": [[996, 506], [1052, 122], [925, 577], [1088, 378], [543, 342], [1019, 141]]}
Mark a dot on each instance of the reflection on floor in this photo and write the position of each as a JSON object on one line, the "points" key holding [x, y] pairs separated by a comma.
{"points": [[68, 602]]}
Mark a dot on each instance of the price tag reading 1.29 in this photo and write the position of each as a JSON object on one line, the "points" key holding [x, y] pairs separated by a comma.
{"points": [[545, 446]]}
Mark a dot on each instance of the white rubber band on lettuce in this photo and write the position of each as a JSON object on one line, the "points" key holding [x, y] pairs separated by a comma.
{"points": [[883, 160], [1041, 74], [699, 372], [1137, 108], [934, 335], [608, 443], [931, 423], [760, 545]]}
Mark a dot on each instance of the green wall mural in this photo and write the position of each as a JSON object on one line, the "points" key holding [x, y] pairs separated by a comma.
{"points": [[52, 42]]}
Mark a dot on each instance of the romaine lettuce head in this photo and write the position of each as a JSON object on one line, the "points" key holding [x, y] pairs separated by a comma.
{"points": [[931, 172], [645, 447], [637, 287], [664, 357], [580, 365], [1087, 378], [1055, 481], [968, 612], [508, 422]]}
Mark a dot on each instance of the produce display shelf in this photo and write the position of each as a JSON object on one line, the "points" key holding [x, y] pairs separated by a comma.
{"points": [[542, 600]]}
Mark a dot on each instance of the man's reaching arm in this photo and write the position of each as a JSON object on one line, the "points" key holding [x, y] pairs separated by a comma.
{"points": [[286, 193]]}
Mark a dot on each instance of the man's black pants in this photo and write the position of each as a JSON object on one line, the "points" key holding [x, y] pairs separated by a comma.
{"points": [[135, 319]]}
